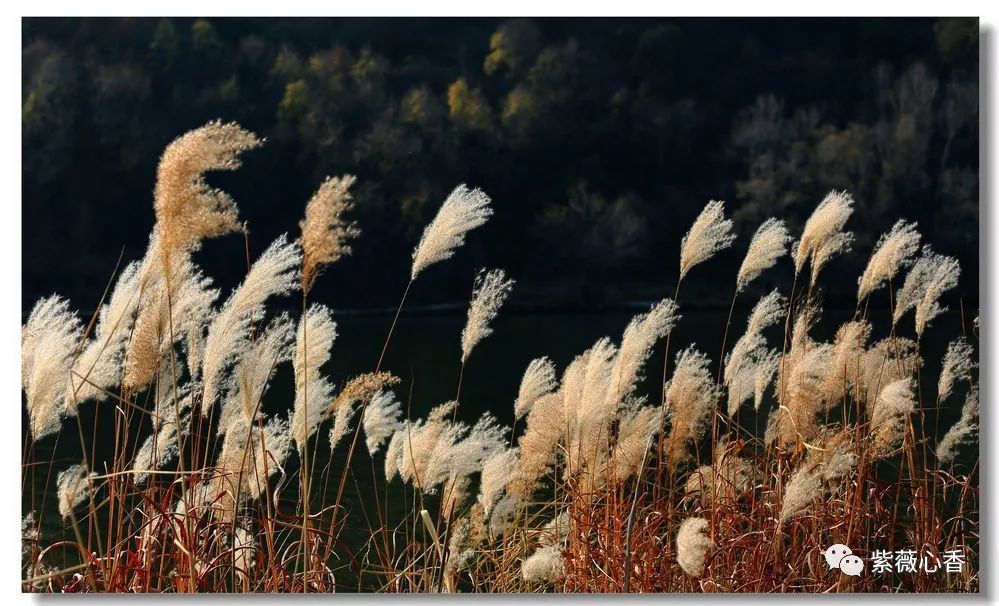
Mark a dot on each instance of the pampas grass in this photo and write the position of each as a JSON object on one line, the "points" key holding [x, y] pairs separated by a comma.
{"points": [[48, 343], [578, 501], [274, 273], [326, 234], [381, 420], [957, 366], [538, 381], [188, 210], [961, 432], [691, 395], [769, 244], [891, 409], [313, 392], [252, 376], [823, 233], [462, 211], [545, 564], [692, 545], [710, 233], [74, 487], [100, 364], [893, 252], [491, 290]]}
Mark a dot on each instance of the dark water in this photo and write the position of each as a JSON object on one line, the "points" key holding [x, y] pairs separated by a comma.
{"points": [[425, 354]]}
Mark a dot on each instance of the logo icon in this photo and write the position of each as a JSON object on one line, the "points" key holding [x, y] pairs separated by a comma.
{"points": [[851, 566], [836, 553]]}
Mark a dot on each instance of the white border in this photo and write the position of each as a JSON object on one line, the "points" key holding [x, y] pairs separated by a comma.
{"points": [[10, 225]]}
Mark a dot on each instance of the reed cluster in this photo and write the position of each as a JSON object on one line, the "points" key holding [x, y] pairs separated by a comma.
{"points": [[602, 487]]}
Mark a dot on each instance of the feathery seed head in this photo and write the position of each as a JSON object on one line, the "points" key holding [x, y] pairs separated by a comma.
{"points": [[891, 409], [491, 290], [326, 234], [957, 366], [274, 273], [49, 341], [538, 381], [769, 244], [637, 342], [74, 487], [710, 233], [823, 230], [188, 210], [963, 431], [692, 545], [381, 420], [462, 211], [943, 277], [893, 251], [545, 564], [691, 396]]}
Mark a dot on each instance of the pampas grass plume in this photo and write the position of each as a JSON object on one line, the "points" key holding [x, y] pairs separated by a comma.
{"points": [[491, 290], [710, 233], [692, 545], [769, 244], [326, 234], [893, 251], [538, 381], [462, 211]]}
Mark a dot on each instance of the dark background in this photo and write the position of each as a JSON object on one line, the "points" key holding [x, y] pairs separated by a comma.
{"points": [[599, 140]]}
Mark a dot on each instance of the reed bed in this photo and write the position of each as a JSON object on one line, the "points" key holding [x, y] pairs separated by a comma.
{"points": [[598, 488]]}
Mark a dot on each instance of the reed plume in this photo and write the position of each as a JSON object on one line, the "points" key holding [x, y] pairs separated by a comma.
{"points": [[538, 381], [381, 420], [824, 231], [188, 210], [253, 374], [844, 361], [545, 564], [884, 362], [326, 234], [769, 244], [169, 311], [274, 273], [692, 545], [961, 432], [100, 364], [164, 443], [358, 391], [691, 395], [74, 487], [593, 412], [313, 392], [957, 366], [249, 457], [495, 475], [891, 410], [723, 482], [491, 290], [942, 278], [893, 252], [640, 336], [49, 341], [636, 427], [800, 395], [362, 389], [710, 233], [818, 475], [929, 278], [341, 424], [545, 429], [462, 211], [768, 311]]}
